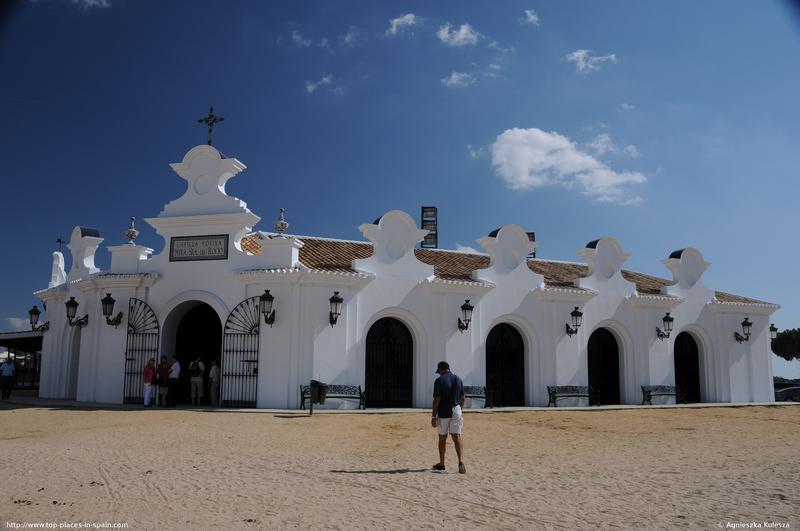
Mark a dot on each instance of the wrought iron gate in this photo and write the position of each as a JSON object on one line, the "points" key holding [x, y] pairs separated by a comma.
{"points": [[240, 355], [143, 334]]}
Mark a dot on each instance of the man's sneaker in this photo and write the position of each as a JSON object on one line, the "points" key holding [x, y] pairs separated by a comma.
{"points": [[462, 469], [438, 466]]}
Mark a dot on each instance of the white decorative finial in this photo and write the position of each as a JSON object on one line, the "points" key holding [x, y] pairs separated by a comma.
{"points": [[281, 225], [131, 233]]}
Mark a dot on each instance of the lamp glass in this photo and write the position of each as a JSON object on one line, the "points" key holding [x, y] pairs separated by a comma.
{"points": [[668, 320], [108, 305], [577, 317], [265, 302], [33, 315], [466, 309], [336, 304], [72, 308], [746, 327], [773, 331]]}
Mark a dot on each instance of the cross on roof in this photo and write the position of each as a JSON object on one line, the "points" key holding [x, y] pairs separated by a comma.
{"points": [[211, 120], [59, 241]]}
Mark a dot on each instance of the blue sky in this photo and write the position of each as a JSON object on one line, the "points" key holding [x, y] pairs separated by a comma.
{"points": [[662, 124]]}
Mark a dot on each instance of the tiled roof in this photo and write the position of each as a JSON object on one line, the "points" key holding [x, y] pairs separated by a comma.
{"points": [[338, 255]]}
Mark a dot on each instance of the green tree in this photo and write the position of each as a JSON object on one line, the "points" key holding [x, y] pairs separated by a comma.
{"points": [[787, 344]]}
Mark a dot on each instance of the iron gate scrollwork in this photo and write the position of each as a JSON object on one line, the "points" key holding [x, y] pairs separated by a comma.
{"points": [[240, 355], [143, 334]]}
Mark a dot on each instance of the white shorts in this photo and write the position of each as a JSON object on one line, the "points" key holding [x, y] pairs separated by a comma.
{"points": [[453, 424]]}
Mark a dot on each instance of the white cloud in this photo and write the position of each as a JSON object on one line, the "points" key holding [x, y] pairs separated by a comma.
{"points": [[495, 66], [532, 158], [627, 107], [17, 324], [323, 43], [313, 86], [530, 17], [89, 4], [404, 21], [350, 38], [474, 153], [585, 62], [466, 249], [463, 36], [458, 79], [299, 40], [631, 151], [602, 144], [496, 47]]}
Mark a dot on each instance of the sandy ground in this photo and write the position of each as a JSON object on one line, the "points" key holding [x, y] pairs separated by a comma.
{"points": [[639, 468]]}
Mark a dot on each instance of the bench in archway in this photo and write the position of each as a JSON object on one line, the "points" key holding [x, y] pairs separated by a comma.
{"points": [[557, 392], [336, 391], [657, 391]]}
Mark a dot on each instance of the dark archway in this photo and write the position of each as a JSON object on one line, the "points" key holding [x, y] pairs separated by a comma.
{"points": [[389, 364], [687, 367], [74, 364], [505, 366], [603, 353], [199, 333]]}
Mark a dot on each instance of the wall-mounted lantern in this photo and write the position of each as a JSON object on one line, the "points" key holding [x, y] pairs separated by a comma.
{"points": [[265, 303], [72, 309], [577, 320], [466, 313], [336, 308], [746, 328], [773, 331], [33, 316], [108, 310], [664, 334]]}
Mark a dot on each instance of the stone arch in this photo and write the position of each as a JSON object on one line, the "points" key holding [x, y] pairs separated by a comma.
{"points": [[624, 362], [174, 310], [531, 359], [702, 342], [419, 358]]}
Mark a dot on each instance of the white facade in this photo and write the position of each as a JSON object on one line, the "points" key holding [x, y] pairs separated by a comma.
{"points": [[89, 363]]}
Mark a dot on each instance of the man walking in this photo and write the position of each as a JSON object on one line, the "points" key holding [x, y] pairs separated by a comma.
{"points": [[149, 380], [448, 399], [7, 377], [213, 383], [172, 382]]}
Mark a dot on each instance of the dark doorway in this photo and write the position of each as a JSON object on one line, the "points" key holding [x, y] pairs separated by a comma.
{"points": [[199, 333], [505, 366], [687, 367], [604, 367], [389, 364]]}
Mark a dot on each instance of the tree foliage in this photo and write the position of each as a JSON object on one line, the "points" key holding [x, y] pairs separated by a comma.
{"points": [[787, 344]]}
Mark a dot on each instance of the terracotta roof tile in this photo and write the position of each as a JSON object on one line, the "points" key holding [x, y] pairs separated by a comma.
{"points": [[338, 255]]}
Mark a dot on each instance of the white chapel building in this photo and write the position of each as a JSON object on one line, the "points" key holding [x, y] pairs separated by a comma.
{"points": [[276, 310]]}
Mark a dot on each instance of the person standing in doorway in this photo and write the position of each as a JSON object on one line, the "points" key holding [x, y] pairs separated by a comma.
{"points": [[149, 380], [7, 377], [213, 383], [172, 382], [196, 371], [163, 379], [448, 400]]}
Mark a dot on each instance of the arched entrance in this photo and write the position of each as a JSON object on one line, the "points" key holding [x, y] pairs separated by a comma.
{"points": [[687, 366], [603, 354], [389, 364], [505, 366], [74, 364], [199, 333]]}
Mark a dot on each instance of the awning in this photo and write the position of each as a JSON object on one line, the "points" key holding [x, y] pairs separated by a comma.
{"points": [[25, 341]]}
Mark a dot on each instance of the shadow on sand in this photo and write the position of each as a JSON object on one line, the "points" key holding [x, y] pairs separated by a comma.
{"points": [[391, 471]]}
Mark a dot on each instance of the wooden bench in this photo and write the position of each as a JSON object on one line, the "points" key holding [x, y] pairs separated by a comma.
{"points": [[335, 391], [477, 391], [649, 391], [567, 391]]}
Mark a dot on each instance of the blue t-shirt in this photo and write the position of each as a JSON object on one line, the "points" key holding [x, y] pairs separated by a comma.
{"points": [[7, 369], [449, 388]]}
